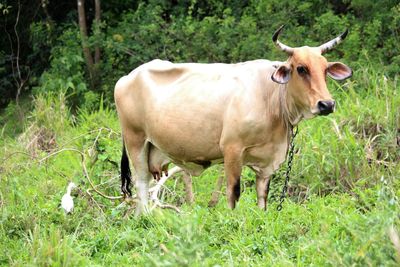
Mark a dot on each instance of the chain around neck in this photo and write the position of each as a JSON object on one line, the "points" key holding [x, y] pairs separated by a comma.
{"points": [[294, 131]]}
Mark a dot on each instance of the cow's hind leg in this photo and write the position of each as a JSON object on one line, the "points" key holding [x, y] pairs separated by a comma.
{"points": [[262, 186], [138, 149], [187, 181], [217, 191]]}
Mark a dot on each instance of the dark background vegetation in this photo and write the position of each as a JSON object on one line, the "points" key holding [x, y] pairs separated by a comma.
{"points": [[41, 49]]}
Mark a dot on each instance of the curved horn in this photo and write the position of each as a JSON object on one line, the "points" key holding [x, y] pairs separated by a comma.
{"points": [[332, 43], [283, 47]]}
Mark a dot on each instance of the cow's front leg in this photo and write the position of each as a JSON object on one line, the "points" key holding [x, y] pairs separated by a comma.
{"points": [[233, 170], [262, 186]]}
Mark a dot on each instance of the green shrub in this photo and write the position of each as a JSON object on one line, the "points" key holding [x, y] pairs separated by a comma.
{"points": [[67, 73]]}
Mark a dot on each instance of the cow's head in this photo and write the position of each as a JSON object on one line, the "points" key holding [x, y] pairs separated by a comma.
{"points": [[305, 73]]}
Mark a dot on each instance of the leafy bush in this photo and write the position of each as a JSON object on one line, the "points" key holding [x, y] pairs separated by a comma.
{"points": [[66, 74]]}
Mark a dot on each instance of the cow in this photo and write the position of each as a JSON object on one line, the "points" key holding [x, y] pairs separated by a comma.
{"points": [[196, 115]]}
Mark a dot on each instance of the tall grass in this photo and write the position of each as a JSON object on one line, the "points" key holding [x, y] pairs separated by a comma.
{"points": [[343, 196]]}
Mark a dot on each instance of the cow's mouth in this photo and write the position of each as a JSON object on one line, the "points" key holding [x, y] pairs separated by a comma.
{"points": [[325, 113]]}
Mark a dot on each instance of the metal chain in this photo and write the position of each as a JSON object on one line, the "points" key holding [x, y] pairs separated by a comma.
{"points": [[289, 168]]}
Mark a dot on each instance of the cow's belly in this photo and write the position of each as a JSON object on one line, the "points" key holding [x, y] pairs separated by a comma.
{"points": [[185, 136], [196, 168], [159, 161]]}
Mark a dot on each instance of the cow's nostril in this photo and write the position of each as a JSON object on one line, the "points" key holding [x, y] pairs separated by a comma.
{"points": [[326, 107]]}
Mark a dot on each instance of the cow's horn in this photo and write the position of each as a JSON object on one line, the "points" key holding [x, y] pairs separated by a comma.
{"points": [[283, 47], [332, 43]]}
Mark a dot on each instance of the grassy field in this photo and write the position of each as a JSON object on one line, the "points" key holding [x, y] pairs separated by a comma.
{"points": [[343, 207]]}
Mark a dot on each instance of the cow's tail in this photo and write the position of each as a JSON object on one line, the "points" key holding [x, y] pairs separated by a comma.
{"points": [[126, 176]]}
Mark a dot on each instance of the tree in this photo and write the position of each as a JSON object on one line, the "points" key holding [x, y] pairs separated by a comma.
{"points": [[91, 63]]}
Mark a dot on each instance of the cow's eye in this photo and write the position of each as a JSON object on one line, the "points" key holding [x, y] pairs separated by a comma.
{"points": [[302, 70]]}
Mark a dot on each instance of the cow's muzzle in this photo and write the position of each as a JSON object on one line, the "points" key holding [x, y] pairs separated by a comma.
{"points": [[326, 107]]}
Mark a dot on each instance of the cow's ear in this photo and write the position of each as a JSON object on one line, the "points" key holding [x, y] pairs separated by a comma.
{"points": [[281, 74], [339, 71]]}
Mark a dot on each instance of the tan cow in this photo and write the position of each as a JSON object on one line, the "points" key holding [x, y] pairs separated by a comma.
{"points": [[197, 115]]}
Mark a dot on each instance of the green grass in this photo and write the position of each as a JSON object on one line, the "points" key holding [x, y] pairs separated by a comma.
{"points": [[344, 194]]}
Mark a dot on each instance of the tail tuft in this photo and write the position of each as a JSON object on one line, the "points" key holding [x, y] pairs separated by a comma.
{"points": [[126, 176]]}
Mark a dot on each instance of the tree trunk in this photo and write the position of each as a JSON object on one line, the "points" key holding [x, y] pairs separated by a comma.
{"points": [[97, 22], [84, 36]]}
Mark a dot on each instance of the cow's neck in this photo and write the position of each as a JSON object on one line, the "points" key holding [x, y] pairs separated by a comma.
{"points": [[279, 114], [291, 111]]}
